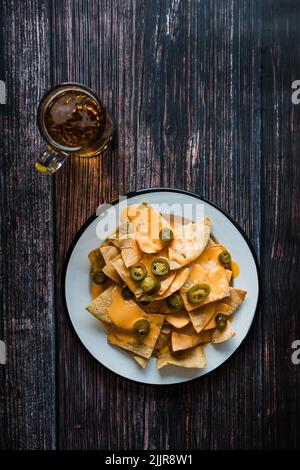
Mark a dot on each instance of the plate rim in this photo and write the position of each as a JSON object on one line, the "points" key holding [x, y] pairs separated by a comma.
{"points": [[129, 195]]}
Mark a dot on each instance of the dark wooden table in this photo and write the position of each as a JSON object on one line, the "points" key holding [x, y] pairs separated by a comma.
{"points": [[200, 92]]}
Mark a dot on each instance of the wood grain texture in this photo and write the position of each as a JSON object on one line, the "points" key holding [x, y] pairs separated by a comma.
{"points": [[200, 91], [27, 395], [281, 224], [182, 80]]}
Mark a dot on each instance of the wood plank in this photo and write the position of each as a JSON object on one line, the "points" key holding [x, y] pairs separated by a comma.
{"points": [[182, 81], [281, 223], [27, 395]]}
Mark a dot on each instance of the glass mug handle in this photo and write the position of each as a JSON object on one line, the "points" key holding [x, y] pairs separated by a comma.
{"points": [[50, 161]]}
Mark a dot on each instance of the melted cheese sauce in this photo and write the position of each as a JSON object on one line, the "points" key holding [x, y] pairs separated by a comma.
{"points": [[235, 269], [209, 259], [179, 320], [228, 275], [181, 341], [124, 313], [97, 289], [219, 308], [216, 279], [147, 227], [123, 338]]}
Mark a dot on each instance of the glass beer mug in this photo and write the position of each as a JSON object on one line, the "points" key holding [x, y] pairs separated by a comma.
{"points": [[73, 122]]}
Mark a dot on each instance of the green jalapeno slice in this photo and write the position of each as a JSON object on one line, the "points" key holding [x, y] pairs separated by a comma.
{"points": [[126, 293], [160, 266], [221, 321], [198, 293], [150, 285], [141, 328], [99, 277], [175, 302], [138, 272], [225, 258]]}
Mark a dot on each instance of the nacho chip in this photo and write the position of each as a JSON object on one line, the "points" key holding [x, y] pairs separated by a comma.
{"points": [[97, 289], [142, 361], [162, 343], [215, 278], [181, 341], [109, 252], [227, 306], [178, 320], [202, 316], [110, 302], [166, 328], [124, 273], [191, 241], [191, 358], [147, 227], [219, 307], [133, 211], [110, 270], [130, 251], [96, 260], [180, 278], [130, 342], [219, 336], [209, 258], [99, 306], [210, 242], [228, 275], [158, 306], [235, 299]]}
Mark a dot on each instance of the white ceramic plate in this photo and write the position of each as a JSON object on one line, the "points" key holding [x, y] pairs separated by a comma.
{"points": [[78, 296]]}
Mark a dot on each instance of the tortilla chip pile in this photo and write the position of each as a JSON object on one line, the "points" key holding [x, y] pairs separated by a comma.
{"points": [[177, 338]]}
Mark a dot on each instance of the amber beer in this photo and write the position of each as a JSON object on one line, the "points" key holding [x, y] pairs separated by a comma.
{"points": [[73, 122]]}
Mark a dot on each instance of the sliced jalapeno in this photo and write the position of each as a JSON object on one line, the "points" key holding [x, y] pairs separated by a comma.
{"points": [[138, 272], [221, 321], [141, 328], [126, 293], [225, 258], [198, 293], [160, 266], [166, 235], [175, 302], [150, 285], [99, 277]]}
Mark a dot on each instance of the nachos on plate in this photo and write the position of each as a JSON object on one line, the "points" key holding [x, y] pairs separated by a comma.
{"points": [[164, 288]]}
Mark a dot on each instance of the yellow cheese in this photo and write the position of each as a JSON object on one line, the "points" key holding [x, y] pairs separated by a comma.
{"points": [[178, 320], [216, 279], [97, 289], [209, 259], [219, 308], [147, 227], [124, 313], [130, 342], [235, 269], [228, 275]]}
